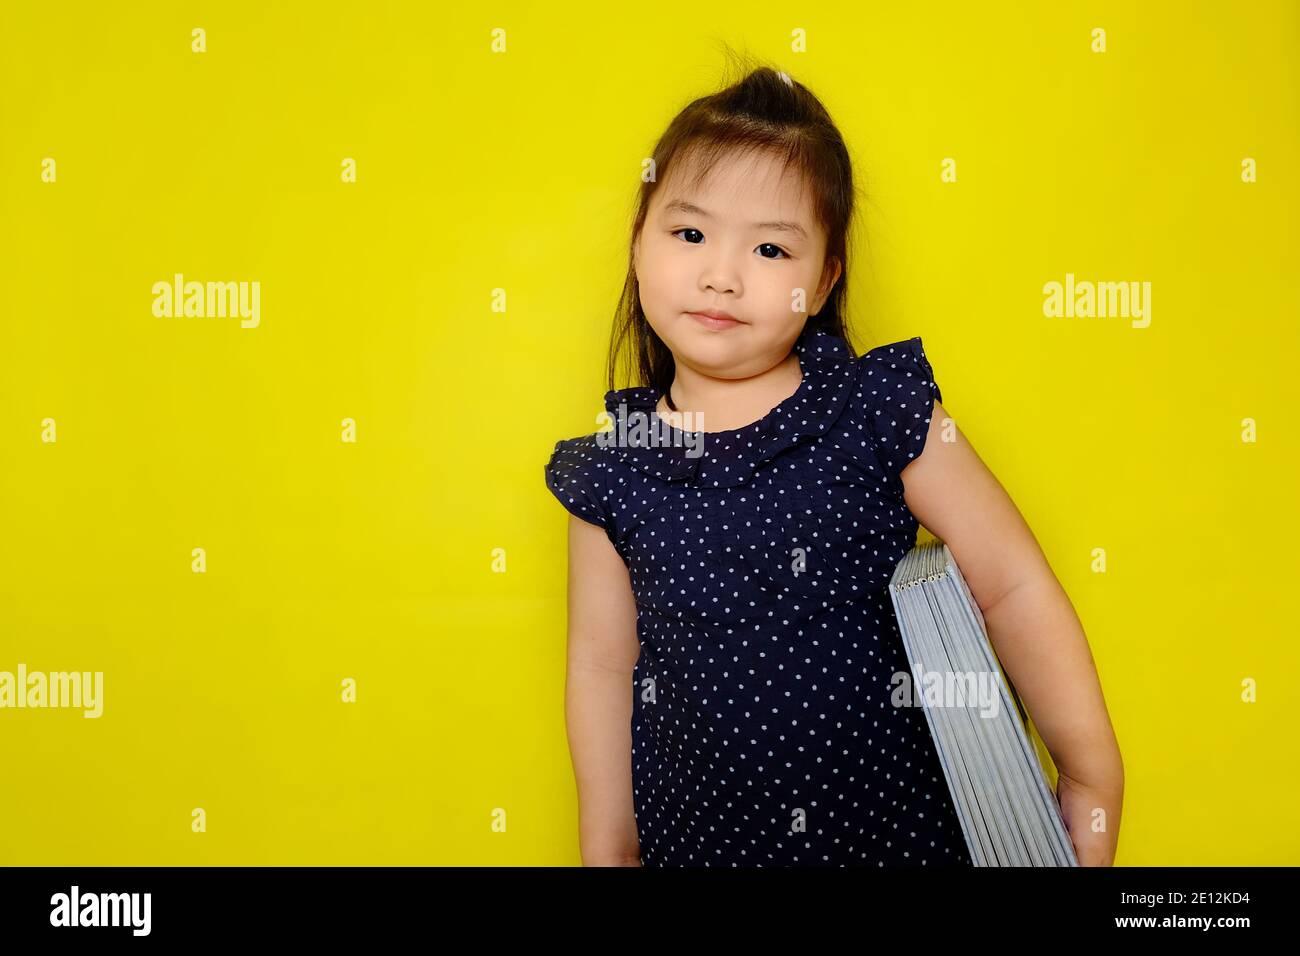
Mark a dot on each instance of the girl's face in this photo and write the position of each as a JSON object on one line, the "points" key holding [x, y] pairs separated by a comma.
{"points": [[746, 243]]}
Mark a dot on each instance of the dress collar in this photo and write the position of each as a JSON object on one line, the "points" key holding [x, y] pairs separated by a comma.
{"points": [[644, 440]]}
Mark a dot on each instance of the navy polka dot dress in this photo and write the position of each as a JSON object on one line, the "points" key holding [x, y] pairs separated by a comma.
{"points": [[763, 732]]}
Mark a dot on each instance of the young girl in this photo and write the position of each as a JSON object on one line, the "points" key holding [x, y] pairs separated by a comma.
{"points": [[734, 571]]}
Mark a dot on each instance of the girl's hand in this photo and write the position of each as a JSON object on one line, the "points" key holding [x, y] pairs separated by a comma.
{"points": [[1079, 806]]}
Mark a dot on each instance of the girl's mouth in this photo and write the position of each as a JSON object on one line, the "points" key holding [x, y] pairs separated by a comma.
{"points": [[711, 322]]}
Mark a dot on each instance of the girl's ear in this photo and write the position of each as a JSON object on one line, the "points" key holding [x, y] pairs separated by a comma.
{"points": [[830, 276]]}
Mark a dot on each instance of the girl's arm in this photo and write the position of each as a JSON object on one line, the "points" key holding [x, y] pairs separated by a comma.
{"points": [[1032, 626], [603, 648]]}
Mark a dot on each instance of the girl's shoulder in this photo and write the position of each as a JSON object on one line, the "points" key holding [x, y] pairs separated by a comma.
{"points": [[897, 391], [577, 474], [899, 362], [885, 369]]}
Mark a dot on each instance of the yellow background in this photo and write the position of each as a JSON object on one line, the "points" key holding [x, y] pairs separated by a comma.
{"points": [[480, 171]]}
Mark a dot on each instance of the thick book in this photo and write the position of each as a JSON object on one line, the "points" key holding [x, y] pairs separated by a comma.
{"points": [[1009, 814]]}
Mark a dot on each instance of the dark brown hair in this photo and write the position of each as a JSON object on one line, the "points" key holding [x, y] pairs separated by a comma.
{"points": [[765, 111]]}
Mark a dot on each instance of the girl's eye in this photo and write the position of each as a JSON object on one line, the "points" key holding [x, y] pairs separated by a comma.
{"points": [[769, 245]]}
